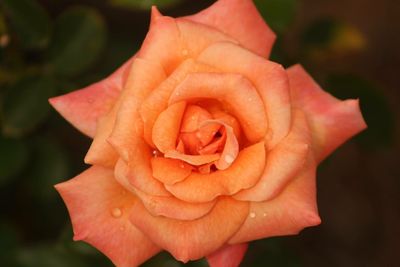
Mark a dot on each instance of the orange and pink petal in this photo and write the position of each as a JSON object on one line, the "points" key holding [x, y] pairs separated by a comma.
{"points": [[192, 240], [241, 20], [99, 209], [332, 121]]}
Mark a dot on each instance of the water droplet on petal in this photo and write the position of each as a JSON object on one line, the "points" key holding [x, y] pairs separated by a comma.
{"points": [[229, 159], [264, 214], [155, 153], [116, 212], [252, 214]]}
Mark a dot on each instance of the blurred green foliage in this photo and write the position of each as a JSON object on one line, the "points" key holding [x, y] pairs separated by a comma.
{"points": [[44, 53]]}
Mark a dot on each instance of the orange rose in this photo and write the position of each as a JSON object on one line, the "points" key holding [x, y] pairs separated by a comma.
{"points": [[200, 143]]}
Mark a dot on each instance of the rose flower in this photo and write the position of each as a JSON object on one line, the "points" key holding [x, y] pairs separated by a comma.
{"points": [[200, 143]]}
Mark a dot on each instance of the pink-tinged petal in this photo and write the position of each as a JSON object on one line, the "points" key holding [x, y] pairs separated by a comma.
{"points": [[332, 121], [235, 91], [228, 256], [269, 78], [186, 240], [158, 99], [167, 127], [292, 210], [241, 20], [82, 108], [283, 162], [243, 173], [99, 208], [170, 171], [137, 171], [174, 208]]}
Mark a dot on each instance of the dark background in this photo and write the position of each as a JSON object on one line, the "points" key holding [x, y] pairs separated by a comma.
{"points": [[50, 47]]}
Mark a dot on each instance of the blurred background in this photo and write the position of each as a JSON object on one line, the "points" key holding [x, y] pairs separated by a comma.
{"points": [[48, 47]]}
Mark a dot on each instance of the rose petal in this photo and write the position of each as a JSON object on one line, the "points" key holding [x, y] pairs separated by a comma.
{"points": [[186, 240], [231, 148], [143, 78], [82, 108], [291, 211], [137, 86], [232, 89], [158, 99], [284, 162], [241, 20], [170, 171], [196, 37], [167, 127], [332, 121], [192, 159], [269, 78], [99, 208], [228, 256], [137, 172], [174, 208], [170, 41], [203, 188], [101, 152]]}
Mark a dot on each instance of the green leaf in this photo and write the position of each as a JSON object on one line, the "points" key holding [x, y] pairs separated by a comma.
{"points": [[13, 158], [79, 38], [374, 107], [278, 13], [50, 165], [144, 4], [25, 105], [30, 22]]}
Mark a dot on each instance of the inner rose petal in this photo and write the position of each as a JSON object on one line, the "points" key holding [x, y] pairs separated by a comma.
{"points": [[231, 148], [235, 91], [157, 101], [167, 125], [196, 160]]}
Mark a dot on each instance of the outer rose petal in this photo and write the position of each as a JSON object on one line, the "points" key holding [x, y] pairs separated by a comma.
{"points": [[99, 208], [241, 20], [332, 121], [83, 107], [191, 240], [228, 256], [287, 214]]}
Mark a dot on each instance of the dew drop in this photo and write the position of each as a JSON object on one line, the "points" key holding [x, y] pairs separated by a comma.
{"points": [[252, 214], [264, 214], [116, 212], [155, 153], [229, 159]]}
